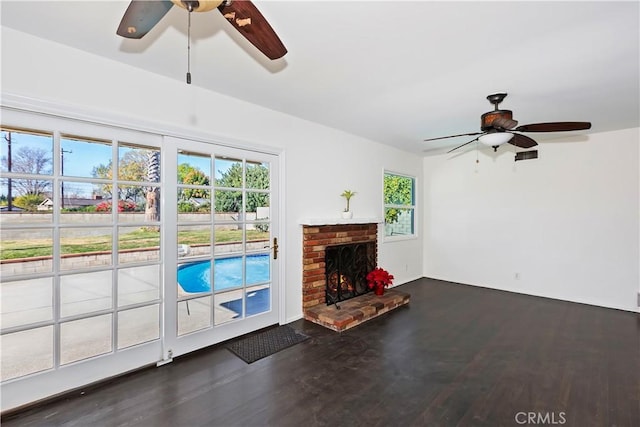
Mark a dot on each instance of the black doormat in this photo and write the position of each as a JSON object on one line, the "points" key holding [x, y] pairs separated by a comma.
{"points": [[263, 344]]}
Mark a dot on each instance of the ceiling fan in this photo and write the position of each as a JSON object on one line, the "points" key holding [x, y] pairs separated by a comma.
{"points": [[142, 15], [498, 127]]}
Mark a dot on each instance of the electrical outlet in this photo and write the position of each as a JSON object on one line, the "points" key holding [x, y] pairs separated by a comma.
{"points": [[516, 276]]}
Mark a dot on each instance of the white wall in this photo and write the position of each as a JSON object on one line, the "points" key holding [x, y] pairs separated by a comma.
{"points": [[319, 162], [567, 222]]}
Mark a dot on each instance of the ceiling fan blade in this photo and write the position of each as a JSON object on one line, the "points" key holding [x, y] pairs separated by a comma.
{"points": [[247, 19], [554, 127], [141, 16], [454, 136], [522, 141], [460, 146]]}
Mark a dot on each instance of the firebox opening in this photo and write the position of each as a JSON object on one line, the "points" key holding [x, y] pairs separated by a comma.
{"points": [[346, 268]]}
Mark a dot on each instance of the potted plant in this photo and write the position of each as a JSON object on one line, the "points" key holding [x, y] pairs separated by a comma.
{"points": [[378, 279], [347, 194]]}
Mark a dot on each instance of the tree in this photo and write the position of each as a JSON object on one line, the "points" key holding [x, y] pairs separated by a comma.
{"points": [[104, 172], [31, 160], [398, 190], [29, 202], [190, 175], [152, 205], [257, 177], [133, 166]]}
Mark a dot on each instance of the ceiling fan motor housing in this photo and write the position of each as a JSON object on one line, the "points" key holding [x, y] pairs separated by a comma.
{"points": [[197, 6], [487, 118]]}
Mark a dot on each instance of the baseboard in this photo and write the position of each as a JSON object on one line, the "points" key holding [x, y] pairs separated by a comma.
{"points": [[538, 295]]}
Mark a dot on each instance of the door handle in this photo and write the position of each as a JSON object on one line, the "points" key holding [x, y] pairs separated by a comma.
{"points": [[275, 248]]}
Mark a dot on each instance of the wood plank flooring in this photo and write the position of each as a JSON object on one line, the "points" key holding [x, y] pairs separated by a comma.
{"points": [[455, 356]]}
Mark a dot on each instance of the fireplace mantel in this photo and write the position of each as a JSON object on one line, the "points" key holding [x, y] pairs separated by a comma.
{"points": [[340, 221]]}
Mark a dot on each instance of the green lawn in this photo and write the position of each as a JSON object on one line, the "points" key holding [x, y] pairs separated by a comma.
{"points": [[139, 239]]}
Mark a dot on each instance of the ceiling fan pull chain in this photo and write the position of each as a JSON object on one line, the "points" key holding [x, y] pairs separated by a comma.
{"points": [[189, 49]]}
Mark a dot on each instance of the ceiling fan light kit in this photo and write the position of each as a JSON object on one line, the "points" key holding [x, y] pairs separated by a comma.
{"points": [[495, 139]]}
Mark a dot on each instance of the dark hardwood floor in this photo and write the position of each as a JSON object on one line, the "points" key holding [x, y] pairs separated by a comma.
{"points": [[456, 356]]}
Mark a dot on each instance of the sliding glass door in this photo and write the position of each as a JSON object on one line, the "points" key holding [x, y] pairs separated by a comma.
{"points": [[121, 249]]}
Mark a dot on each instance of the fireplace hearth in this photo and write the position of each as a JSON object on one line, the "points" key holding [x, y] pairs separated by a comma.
{"points": [[321, 276]]}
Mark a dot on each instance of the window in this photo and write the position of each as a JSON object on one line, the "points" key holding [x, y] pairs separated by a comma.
{"points": [[399, 205]]}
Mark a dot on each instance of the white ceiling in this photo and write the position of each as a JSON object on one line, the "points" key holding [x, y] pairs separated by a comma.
{"points": [[395, 72]]}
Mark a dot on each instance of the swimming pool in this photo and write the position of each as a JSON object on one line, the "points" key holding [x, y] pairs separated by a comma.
{"points": [[227, 273]]}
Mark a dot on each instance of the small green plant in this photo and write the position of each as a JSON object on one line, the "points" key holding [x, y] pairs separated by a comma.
{"points": [[348, 194]]}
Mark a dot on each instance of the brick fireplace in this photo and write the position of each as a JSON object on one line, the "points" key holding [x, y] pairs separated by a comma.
{"points": [[316, 238]]}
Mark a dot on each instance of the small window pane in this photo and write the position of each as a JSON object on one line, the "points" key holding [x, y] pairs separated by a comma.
{"points": [[194, 278], [228, 172], [26, 301], [257, 237], [257, 205], [30, 200], [85, 293], [85, 338], [399, 222], [26, 152], [194, 169], [30, 251], [138, 163], [258, 175], [257, 269], [229, 202], [194, 315], [138, 284], [194, 240], [26, 352], [258, 300], [228, 306], [85, 247], [85, 158], [194, 204], [138, 244], [227, 273], [82, 202], [131, 203], [228, 239], [138, 326]]}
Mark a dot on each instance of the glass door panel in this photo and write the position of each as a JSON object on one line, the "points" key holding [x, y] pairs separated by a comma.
{"points": [[225, 282], [81, 279]]}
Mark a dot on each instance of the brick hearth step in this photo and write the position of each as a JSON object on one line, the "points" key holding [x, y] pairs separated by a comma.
{"points": [[356, 310]]}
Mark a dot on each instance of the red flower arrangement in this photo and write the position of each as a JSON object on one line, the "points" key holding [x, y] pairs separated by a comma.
{"points": [[378, 279]]}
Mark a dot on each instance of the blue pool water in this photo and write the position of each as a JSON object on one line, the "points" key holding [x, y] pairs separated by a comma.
{"points": [[227, 274], [257, 302]]}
